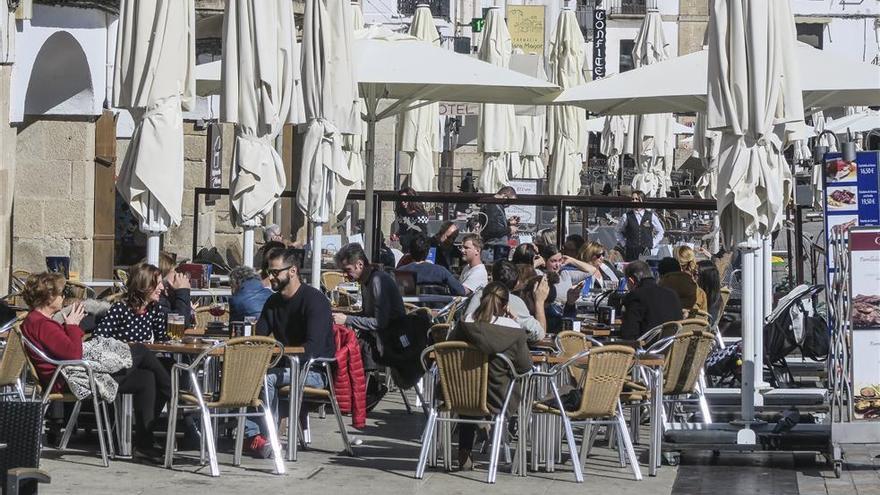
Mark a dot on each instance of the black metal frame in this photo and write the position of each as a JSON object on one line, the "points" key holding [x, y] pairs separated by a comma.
{"points": [[560, 202]]}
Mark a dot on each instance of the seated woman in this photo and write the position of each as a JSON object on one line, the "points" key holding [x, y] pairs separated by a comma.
{"points": [[248, 294], [564, 272], [138, 317], [594, 254], [527, 254], [488, 331], [709, 280], [146, 379], [175, 297], [553, 311], [691, 296]]}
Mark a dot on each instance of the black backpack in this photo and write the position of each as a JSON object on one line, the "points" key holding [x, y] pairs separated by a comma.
{"points": [[402, 345]]}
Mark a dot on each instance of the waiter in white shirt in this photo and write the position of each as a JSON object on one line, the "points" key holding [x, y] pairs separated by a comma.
{"points": [[638, 230]]}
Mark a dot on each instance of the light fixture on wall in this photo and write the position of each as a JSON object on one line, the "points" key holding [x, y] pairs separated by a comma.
{"points": [[847, 148]]}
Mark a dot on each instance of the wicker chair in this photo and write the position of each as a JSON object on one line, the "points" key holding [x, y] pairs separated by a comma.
{"points": [[685, 357], [606, 371], [464, 379], [245, 362], [203, 317], [76, 290], [439, 332], [18, 279], [659, 332], [320, 396], [121, 275], [330, 280], [570, 343], [102, 419], [12, 362]]}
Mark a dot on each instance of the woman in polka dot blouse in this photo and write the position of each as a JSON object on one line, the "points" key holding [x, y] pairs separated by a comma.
{"points": [[137, 318]]}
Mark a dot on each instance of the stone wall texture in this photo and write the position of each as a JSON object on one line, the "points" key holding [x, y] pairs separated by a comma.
{"points": [[53, 210]]}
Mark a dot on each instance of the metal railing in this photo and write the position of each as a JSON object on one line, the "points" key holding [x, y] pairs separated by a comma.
{"points": [[617, 7]]}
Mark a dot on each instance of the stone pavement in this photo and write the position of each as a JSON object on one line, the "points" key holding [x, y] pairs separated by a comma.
{"points": [[386, 461]]}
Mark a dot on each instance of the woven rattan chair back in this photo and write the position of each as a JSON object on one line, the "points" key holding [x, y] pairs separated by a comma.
{"points": [[14, 358], [331, 280], [685, 358], [18, 279], [464, 377], [76, 290], [607, 370], [203, 317], [570, 343], [453, 311], [439, 332], [245, 363], [122, 275]]}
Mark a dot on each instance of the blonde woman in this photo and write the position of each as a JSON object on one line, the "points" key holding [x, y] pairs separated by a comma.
{"points": [[688, 260], [596, 255]]}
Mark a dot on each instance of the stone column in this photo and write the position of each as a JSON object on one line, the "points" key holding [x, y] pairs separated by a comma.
{"points": [[7, 177]]}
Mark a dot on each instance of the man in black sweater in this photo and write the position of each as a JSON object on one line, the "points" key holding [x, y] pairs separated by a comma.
{"points": [[647, 304], [296, 315]]}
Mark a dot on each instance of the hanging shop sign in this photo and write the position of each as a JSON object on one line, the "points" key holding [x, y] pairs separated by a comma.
{"points": [[599, 25], [526, 25], [864, 243], [448, 109], [213, 161], [851, 198]]}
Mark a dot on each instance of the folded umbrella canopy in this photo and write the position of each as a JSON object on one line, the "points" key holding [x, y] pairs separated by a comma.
{"points": [[566, 125], [330, 95], [353, 144], [496, 136], [261, 79], [617, 140], [153, 79], [706, 147], [417, 129], [754, 90], [653, 133]]}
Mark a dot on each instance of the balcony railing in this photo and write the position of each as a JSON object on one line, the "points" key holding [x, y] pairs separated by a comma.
{"points": [[439, 8], [620, 7]]}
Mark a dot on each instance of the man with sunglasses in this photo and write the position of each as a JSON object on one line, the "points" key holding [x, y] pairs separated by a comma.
{"points": [[639, 230], [296, 315]]}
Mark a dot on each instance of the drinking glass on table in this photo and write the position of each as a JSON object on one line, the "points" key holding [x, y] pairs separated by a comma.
{"points": [[217, 310], [176, 327]]}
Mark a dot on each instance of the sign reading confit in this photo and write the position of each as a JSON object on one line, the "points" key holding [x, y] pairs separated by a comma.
{"points": [[599, 26]]}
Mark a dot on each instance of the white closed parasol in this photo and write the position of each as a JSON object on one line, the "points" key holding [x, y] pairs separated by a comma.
{"points": [[260, 72], [153, 79], [495, 137], [417, 129], [566, 125]]}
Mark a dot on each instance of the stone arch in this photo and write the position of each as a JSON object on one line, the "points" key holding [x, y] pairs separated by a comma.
{"points": [[60, 81]]}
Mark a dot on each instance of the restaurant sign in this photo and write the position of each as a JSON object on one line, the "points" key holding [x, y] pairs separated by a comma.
{"points": [[599, 26], [449, 109], [864, 245], [526, 24]]}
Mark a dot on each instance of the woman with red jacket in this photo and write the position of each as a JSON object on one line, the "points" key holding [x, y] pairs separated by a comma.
{"points": [[146, 380]]}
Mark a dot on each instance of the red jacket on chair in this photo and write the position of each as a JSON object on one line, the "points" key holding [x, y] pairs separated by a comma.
{"points": [[350, 382]]}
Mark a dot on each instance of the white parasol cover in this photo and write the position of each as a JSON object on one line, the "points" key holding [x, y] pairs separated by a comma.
{"points": [[153, 80], [330, 96], [566, 125], [753, 89], [417, 130], [260, 73], [495, 137]]}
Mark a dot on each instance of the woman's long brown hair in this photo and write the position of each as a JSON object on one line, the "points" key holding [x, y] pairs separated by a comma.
{"points": [[142, 281], [493, 302]]}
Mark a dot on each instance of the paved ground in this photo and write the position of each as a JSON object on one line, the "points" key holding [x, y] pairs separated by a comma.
{"points": [[386, 461]]}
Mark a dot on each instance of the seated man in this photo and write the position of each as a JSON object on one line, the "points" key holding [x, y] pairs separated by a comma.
{"points": [[689, 293], [647, 304], [296, 315], [474, 275], [175, 297], [427, 273], [534, 325]]}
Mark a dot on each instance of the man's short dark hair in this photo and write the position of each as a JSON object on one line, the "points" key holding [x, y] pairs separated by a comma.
{"points": [[290, 256], [505, 272], [668, 265], [419, 247], [507, 191], [350, 254], [637, 270]]}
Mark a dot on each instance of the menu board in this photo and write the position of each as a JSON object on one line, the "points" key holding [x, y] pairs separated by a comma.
{"points": [[851, 198], [864, 245]]}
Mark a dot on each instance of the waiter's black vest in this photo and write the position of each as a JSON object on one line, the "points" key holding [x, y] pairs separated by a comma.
{"points": [[639, 236]]}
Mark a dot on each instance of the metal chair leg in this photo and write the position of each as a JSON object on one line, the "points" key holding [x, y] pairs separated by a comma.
{"points": [[208, 437], [172, 428], [618, 437], [273, 433], [569, 436], [630, 451], [239, 437], [71, 425], [99, 425], [496, 447], [342, 431], [426, 444], [108, 430], [405, 401]]}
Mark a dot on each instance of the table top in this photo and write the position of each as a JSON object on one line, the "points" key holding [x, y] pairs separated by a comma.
{"points": [[215, 291], [98, 282], [198, 348]]}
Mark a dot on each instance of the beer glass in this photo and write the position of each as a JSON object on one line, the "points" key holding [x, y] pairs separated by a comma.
{"points": [[176, 327]]}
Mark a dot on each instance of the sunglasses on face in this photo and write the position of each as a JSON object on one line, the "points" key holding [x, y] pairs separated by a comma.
{"points": [[274, 272]]}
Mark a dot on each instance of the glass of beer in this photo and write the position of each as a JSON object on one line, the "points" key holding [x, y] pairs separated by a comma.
{"points": [[176, 327]]}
